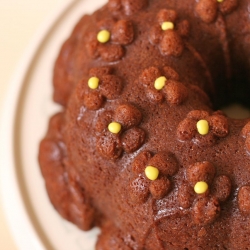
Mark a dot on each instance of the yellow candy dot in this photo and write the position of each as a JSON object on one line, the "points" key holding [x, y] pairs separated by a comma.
{"points": [[167, 26], [93, 82], [103, 36], [200, 187], [220, 1], [114, 127], [151, 173], [202, 127], [160, 82]]}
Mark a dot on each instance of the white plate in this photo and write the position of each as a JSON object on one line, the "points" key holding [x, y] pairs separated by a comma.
{"points": [[34, 223]]}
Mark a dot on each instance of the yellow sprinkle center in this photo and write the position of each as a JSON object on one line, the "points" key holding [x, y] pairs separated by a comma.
{"points": [[202, 127], [200, 187], [114, 127], [160, 82], [151, 173], [220, 1], [93, 82], [167, 26], [103, 36]]}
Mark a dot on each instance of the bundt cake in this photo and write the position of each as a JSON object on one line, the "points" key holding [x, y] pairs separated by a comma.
{"points": [[141, 149]]}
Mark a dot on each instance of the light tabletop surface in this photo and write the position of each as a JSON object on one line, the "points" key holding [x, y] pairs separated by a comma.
{"points": [[19, 21]]}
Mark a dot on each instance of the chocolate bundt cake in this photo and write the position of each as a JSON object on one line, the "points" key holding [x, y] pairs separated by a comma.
{"points": [[141, 149]]}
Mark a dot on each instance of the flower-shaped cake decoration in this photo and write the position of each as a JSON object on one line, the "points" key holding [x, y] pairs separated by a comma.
{"points": [[208, 9], [168, 33], [160, 85], [109, 39], [101, 85], [118, 131], [246, 135], [204, 192], [152, 175], [244, 200], [203, 128], [127, 7]]}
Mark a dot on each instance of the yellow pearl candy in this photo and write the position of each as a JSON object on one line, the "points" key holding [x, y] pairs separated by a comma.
{"points": [[202, 127], [220, 1], [151, 172], [93, 82], [201, 187], [160, 82], [167, 26], [103, 36], [114, 127]]}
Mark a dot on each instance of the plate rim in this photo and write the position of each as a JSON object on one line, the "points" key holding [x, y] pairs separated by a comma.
{"points": [[17, 217]]}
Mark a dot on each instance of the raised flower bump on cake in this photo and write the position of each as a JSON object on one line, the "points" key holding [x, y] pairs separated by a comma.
{"points": [[172, 90], [167, 34], [216, 127], [129, 137], [108, 41], [142, 185], [208, 10], [206, 207]]}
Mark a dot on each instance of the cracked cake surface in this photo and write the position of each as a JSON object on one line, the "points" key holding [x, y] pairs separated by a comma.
{"points": [[140, 148]]}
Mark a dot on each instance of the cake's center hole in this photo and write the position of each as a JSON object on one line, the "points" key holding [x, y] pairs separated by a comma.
{"points": [[232, 96], [236, 111]]}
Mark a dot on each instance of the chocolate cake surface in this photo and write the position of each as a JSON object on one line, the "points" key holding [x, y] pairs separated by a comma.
{"points": [[140, 148]]}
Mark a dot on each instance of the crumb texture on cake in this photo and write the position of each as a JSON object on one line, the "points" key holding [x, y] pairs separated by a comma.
{"points": [[140, 148]]}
